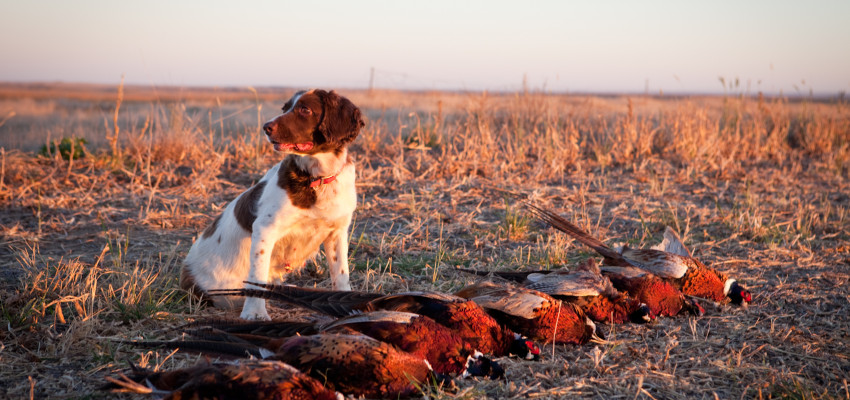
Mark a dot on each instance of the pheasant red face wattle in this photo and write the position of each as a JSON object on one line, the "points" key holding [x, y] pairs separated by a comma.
{"points": [[739, 295]]}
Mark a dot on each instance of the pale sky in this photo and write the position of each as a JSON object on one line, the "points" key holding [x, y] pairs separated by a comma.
{"points": [[572, 46]]}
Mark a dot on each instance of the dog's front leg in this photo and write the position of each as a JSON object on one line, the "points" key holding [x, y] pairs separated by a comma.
{"points": [[336, 253], [266, 231]]}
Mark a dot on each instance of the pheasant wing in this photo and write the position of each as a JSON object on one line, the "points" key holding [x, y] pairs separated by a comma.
{"points": [[519, 302], [626, 272], [578, 284], [411, 301], [663, 264], [373, 316], [672, 244]]}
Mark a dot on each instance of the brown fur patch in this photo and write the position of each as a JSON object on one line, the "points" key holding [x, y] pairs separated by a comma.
{"points": [[296, 182], [212, 228], [246, 206], [187, 283], [325, 119]]}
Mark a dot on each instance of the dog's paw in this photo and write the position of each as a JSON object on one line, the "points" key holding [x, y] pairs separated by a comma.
{"points": [[255, 316], [255, 310]]}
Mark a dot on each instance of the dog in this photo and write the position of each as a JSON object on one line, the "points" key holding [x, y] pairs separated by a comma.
{"points": [[306, 200]]}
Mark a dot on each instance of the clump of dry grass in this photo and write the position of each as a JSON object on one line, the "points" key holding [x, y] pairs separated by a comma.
{"points": [[92, 246]]}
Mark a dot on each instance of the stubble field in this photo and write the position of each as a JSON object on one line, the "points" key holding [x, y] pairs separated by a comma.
{"points": [[90, 248]]}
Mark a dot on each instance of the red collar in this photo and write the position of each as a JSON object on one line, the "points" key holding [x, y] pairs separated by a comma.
{"points": [[322, 181]]}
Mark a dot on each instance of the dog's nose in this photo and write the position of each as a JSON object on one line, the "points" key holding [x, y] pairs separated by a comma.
{"points": [[268, 127]]}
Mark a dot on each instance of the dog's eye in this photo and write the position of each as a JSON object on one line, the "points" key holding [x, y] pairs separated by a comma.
{"points": [[304, 110]]}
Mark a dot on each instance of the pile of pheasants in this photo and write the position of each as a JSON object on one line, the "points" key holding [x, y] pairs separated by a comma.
{"points": [[394, 345]]}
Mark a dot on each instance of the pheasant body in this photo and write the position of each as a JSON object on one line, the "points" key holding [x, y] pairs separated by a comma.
{"points": [[661, 296], [532, 313], [247, 379], [357, 364]]}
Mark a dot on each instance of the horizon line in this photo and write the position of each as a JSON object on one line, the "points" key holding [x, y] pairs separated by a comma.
{"points": [[837, 95]]}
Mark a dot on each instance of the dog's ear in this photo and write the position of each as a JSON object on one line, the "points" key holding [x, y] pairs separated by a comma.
{"points": [[342, 120]]}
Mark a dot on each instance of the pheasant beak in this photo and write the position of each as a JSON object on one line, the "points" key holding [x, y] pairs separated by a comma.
{"points": [[533, 351], [595, 333]]}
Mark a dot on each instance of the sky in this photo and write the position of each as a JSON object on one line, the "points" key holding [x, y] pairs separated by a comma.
{"points": [[792, 47]]}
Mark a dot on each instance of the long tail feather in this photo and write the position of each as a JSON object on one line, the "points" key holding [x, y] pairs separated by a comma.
{"points": [[270, 328], [203, 346], [565, 226], [336, 303], [516, 276]]}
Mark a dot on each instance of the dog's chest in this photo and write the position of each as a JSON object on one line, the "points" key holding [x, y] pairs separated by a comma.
{"points": [[300, 239]]}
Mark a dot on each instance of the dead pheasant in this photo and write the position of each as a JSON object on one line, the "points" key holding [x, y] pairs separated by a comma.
{"points": [[464, 317], [594, 293], [413, 333], [246, 379], [587, 289], [352, 364], [670, 261], [359, 365], [532, 313], [662, 297]]}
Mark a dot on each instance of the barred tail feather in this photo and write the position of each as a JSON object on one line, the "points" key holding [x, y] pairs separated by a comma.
{"points": [[337, 303], [203, 346], [516, 276], [565, 226]]}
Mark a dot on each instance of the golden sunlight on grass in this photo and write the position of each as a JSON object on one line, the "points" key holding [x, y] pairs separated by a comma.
{"points": [[92, 245]]}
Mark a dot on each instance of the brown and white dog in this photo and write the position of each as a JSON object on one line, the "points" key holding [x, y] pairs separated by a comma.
{"points": [[278, 224]]}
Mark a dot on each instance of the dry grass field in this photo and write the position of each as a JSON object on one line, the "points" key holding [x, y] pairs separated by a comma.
{"points": [[90, 248]]}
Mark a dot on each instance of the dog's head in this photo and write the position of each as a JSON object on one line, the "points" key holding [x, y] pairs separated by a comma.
{"points": [[314, 121]]}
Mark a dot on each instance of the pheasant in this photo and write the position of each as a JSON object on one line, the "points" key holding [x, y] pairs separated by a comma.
{"points": [[659, 295], [464, 317], [349, 363], [532, 313], [587, 289], [413, 333], [246, 379], [671, 260], [359, 365], [594, 293]]}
